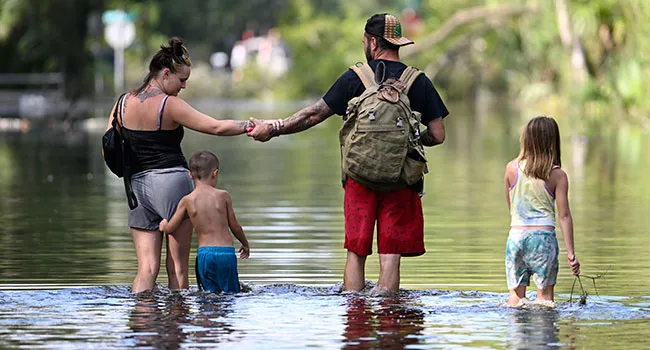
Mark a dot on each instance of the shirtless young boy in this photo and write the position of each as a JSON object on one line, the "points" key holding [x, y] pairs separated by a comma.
{"points": [[213, 218]]}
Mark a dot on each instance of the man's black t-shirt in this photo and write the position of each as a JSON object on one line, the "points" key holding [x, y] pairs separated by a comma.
{"points": [[423, 95]]}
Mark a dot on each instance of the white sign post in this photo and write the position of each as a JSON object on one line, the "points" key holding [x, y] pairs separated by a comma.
{"points": [[119, 32]]}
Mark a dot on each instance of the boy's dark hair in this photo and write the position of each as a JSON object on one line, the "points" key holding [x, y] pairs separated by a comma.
{"points": [[202, 163]]}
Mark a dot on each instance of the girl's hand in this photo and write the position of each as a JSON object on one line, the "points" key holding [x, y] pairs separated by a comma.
{"points": [[574, 264], [244, 252]]}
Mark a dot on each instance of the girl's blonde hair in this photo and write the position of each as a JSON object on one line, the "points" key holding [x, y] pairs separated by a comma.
{"points": [[540, 147]]}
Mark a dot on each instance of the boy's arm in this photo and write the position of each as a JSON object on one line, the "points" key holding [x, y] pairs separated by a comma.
{"points": [[236, 229], [566, 220], [176, 219]]}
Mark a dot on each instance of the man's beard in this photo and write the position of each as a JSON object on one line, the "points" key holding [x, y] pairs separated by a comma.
{"points": [[368, 54]]}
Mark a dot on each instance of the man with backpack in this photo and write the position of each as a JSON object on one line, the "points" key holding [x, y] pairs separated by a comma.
{"points": [[383, 104]]}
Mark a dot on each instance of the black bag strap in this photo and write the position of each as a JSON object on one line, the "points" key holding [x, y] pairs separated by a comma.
{"points": [[117, 112], [130, 196], [380, 72]]}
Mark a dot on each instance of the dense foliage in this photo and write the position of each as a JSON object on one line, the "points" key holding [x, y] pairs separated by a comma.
{"points": [[591, 54]]}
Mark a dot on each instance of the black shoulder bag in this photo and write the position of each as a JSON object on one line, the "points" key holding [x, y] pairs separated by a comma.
{"points": [[116, 151]]}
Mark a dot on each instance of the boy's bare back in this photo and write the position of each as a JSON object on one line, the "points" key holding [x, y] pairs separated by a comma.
{"points": [[208, 208], [211, 213]]}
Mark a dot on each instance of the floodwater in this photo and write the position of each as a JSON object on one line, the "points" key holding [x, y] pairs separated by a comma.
{"points": [[67, 258]]}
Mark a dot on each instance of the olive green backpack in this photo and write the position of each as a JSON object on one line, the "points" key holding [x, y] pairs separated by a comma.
{"points": [[380, 129]]}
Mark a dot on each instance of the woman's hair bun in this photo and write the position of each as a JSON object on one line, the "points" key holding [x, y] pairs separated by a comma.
{"points": [[176, 44]]}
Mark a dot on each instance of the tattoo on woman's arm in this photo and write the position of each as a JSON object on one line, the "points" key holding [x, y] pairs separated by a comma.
{"points": [[241, 125]]}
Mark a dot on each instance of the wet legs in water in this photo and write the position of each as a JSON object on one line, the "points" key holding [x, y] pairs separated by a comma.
{"points": [[147, 250], [178, 256], [148, 245], [519, 293], [354, 275], [388, 272]]}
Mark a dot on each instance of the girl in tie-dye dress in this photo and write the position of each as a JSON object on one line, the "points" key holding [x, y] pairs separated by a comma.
{"points": [[535, 183]]}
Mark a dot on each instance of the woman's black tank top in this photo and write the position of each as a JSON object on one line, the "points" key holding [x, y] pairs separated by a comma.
{"points": [[155, 149]]}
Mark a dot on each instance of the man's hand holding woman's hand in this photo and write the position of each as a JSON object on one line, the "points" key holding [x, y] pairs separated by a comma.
{"points": [[264, 130]]}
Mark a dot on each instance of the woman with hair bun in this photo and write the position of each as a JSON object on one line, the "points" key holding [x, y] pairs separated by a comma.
{"points": [[152, 118]]}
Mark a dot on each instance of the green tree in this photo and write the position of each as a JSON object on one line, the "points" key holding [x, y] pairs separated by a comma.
{"points": [[48, 36]]}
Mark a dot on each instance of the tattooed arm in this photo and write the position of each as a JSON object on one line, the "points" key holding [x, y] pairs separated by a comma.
{"points": [[435, 133], [305, 118], [301, 120], [184, 114]]}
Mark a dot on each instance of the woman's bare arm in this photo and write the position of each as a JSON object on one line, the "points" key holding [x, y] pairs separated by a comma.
{"points": [[184, 114]]}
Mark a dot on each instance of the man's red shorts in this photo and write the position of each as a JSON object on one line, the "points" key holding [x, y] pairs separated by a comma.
{"points": [[398, 213]]}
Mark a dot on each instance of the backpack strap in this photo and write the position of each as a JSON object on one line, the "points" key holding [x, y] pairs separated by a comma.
{"points": [[365, 73], [408, 77], [126, 166]]}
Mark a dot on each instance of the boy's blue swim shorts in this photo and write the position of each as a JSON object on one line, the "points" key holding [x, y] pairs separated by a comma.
{"points": [[216, 269]]}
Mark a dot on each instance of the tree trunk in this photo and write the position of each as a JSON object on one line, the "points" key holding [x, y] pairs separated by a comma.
{"points": [[571, 43]]}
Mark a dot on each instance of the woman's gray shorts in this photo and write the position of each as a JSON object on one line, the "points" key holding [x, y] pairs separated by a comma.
{"points": [[158, 192]]}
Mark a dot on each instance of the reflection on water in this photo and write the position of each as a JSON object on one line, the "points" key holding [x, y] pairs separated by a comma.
{"points": [[155, 325], [63, 224], [288, 316], [530, 329], [381, 323]]}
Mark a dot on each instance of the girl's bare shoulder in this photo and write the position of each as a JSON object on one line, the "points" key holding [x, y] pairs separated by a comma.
{"points": [[511, 166], [557, 172], [556, 176]]}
